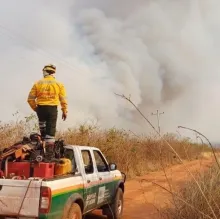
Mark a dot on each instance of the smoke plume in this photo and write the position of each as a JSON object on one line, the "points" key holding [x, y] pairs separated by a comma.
{"points": [[163, 54]]}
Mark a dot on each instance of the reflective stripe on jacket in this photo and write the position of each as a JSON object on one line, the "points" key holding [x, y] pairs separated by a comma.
{"points": [[48, 91]]}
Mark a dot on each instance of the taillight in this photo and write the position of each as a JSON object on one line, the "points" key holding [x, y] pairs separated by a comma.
{"points": [[45, 200]]}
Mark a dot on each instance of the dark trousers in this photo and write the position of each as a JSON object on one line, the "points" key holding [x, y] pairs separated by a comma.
{"points": [[47, 116]]}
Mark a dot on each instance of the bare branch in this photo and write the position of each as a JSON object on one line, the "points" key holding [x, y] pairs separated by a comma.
{"points": [[213, 151], [129, 100]]}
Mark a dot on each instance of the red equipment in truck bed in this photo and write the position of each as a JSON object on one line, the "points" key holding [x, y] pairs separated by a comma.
{"points": [[43, 170], [19, 169]]}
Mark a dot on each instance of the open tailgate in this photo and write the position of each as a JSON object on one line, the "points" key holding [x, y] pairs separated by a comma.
{"points": [[19, 197]]}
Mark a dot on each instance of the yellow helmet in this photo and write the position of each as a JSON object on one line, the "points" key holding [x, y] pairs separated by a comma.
{"points": [[50, 68]]}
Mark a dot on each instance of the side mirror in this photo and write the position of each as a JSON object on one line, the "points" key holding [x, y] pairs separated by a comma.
{"points": [[112, 167]]}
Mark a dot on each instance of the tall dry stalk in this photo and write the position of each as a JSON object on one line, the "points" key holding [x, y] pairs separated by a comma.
{"points": [[213, 151]]}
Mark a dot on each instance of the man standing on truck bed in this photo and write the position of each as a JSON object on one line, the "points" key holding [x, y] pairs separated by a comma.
{"points": [[44, 97]]}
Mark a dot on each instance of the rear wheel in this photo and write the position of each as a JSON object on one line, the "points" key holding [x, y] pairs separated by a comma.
{"points": [[75, 212], [115, 210]]}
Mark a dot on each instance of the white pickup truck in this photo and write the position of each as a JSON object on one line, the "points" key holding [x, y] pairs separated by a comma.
{"points": [[94, 184]]}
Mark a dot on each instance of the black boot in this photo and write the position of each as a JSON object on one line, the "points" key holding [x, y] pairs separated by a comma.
{"points": [[49, 153]]}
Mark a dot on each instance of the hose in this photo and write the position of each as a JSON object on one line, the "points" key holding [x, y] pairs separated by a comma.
{"points": [[6, 166], [24, 198]]}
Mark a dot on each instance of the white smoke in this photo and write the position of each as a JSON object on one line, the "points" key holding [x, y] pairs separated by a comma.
{"points": [[162, 53]]}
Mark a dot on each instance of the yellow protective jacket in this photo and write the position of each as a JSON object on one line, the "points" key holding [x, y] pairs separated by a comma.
{"points": [[48, 91]]}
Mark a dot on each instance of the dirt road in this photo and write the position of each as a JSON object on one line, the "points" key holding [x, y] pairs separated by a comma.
{"points": [[143, 198]]}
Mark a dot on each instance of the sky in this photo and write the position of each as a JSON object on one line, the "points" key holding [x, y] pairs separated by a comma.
{"points": [[164, 54]]}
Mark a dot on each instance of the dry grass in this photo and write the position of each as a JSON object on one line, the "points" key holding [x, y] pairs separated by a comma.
{"points": [[191, 205], [134, 155], [10, 133]]}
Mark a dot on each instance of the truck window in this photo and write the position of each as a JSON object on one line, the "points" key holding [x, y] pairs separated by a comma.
{"points": [[87, 160], [102, 166], [69, 154]]}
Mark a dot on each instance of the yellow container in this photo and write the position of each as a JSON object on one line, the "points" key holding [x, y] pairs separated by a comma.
{"points": [[64, 167]]}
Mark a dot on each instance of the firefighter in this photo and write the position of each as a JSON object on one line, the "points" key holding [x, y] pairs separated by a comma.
{"points": [[44, 98]]}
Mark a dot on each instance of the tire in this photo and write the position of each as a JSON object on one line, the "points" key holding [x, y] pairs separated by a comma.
{"points": [[75, 212], [116, 208]]}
